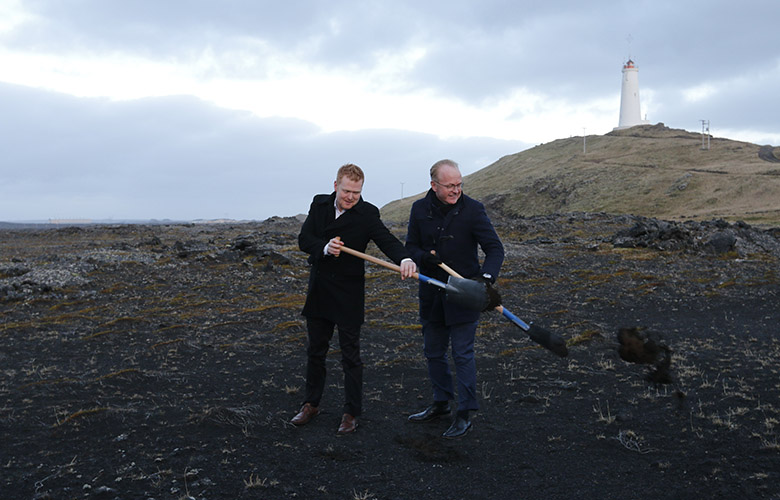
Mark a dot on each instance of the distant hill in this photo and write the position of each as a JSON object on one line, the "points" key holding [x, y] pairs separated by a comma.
{"points": [[648, 170]]}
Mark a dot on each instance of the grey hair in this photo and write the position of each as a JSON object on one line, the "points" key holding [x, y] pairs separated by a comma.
{"points": [[436, 166]]}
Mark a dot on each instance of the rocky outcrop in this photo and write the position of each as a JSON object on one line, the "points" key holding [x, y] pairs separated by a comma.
{"points": [[271, 245], [716, 237]]}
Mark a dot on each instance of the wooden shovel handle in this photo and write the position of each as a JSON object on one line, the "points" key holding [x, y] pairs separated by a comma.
{"points": [[376, 261], [450, 271]]}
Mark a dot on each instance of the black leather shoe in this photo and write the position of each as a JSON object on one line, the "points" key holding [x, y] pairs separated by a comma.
{"points": [[460, 426], [431, 413]]}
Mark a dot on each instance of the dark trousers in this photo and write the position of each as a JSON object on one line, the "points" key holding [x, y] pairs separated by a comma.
{"points": [[437, 337], [320, 331]]}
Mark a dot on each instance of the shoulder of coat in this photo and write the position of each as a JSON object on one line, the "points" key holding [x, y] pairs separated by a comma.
{"points": [[365, 207], [321, 199], [467, 200]]}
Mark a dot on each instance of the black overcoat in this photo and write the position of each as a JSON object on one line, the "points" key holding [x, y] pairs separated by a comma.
{"points": [[456, 236], [337, 284]]}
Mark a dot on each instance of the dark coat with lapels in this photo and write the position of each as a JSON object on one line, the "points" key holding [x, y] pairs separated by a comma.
{"points": [[456, 235], [337, 284]]}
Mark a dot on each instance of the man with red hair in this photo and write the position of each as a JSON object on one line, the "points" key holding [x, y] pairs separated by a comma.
{"points": [[336, 296]]}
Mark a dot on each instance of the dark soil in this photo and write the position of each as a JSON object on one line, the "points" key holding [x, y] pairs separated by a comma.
{"points": [[165, 361]]}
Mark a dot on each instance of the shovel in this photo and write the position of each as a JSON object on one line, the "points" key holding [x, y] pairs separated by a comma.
{"points": [[466, 293], [544, 338]]}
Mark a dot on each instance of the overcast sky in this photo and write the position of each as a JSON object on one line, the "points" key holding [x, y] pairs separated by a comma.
{"points": [[244, 109]]}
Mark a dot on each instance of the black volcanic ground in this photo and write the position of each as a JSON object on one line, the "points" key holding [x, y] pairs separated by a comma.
{"points": [[164, 361]]}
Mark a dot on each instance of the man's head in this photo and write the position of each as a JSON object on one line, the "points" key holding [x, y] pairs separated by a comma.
{"points": [[446, 181], [348, 186]]}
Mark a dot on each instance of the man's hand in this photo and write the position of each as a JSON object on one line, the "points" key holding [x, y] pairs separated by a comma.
{"points": [[494, 298], [408, 268], [431, 259], [334, 246], [429, 262]]}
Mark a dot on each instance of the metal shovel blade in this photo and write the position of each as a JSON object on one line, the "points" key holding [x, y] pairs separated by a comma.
{"points": [[469, 294]]}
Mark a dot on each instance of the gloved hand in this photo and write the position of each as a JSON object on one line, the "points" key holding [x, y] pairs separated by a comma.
{"points": [[494, 298], [431, 260], [430, 267]]}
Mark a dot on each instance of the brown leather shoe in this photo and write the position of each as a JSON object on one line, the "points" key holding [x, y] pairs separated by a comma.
{"points": [[307, 413], [348, 424]]}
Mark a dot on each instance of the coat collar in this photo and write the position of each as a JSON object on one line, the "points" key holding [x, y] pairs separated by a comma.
{"points": [[327, 204], [331, 201], [434, 202]]}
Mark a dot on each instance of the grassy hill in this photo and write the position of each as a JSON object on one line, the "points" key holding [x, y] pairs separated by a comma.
{"points": [[648, 170]]}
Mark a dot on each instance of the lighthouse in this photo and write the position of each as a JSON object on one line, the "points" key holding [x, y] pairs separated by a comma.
{"points": [[629, 98]]}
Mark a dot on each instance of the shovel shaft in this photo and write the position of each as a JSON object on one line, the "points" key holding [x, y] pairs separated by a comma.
{"points": [[371, 258], [393, 267], [514, 319], [450, 271]]}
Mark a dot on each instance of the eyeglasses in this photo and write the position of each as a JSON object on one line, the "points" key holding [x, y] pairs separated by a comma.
{"points": [[450, 187]]}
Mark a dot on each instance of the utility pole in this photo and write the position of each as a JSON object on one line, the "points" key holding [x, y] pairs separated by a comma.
{"points": [[402, 190], [583, 140], [705, 129]]}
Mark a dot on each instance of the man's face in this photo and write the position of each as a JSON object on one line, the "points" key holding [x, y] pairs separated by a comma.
{"points": [[449, 184], [347, 192]]}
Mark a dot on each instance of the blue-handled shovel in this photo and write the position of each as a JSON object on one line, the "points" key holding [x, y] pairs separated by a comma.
{"points": [[545, 338], [466, 293]]}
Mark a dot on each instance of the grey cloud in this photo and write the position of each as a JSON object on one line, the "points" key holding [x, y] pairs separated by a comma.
{"points": [[477, 50], [181, 158], [748, 105]]}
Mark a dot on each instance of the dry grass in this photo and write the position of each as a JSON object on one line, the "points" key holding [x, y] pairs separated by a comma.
{"points": [[79, 414], [649, 170]]}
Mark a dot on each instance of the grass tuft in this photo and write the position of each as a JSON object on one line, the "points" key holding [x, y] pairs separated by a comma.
{"points": [[79, 414]]}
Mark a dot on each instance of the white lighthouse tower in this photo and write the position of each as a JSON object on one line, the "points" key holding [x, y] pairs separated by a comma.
{"points": [[629, 98]]}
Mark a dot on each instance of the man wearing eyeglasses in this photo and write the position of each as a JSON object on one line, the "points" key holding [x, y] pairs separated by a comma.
{"points": [[447, 226]]}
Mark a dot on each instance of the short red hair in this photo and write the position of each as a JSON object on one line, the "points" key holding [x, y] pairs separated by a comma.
{"points": [[353, 173]]}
